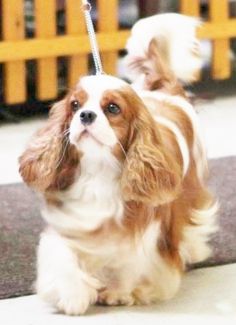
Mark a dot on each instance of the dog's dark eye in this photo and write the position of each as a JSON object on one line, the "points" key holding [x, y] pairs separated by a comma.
{"points": [[113, 108], [75, 105]]}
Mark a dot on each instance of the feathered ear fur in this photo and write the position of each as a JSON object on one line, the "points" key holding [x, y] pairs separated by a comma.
{"points": [[150, 174], [49, 161]]}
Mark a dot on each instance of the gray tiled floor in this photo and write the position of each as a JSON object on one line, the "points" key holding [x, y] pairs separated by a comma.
{"points": [[206, 296]]}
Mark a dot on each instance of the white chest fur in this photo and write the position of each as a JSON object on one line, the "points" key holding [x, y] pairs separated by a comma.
{"points": [[123, 263], [94, 197]]}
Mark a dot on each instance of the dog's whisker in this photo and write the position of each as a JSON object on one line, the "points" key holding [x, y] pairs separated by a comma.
{"points": [[64, 134], [63, 153], [66, 131], [122, 149]]}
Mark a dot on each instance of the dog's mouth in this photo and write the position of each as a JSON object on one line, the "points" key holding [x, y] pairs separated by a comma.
{"points": [[86, 134]]}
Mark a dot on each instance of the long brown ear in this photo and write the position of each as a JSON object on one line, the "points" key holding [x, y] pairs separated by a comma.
{"points": [[150, 174], [45, 163]]}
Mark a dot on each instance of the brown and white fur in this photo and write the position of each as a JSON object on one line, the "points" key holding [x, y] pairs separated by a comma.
{"points": [[125, 197], [177, 46]]}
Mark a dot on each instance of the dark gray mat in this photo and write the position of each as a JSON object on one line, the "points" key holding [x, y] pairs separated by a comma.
{"points": [[223, 183], [20, 225]]}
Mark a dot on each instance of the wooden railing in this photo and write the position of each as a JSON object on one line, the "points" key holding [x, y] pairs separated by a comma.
{"points": [[46, 45], [220, 29]]}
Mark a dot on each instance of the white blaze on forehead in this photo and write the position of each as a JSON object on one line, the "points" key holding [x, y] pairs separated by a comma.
{"points": [[95, 86]]}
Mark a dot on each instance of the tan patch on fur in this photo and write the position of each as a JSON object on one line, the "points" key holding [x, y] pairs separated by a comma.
{"points": [[50, 162], [157, 72], [81, 95], [52, 199], [174, 114]]}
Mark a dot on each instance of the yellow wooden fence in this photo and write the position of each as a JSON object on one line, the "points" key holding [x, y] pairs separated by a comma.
{"points": [[46, 46], [220, 29]]}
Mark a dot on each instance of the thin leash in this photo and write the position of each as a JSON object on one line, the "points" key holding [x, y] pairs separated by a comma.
{"points": [[92, 37]]}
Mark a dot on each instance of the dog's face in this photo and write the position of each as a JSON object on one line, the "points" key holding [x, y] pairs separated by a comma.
{"points": [[102, 113]]}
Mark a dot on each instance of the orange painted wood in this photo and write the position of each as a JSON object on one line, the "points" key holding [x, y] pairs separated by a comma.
{"points": [[218, 30], [60, 46], [75, 25], [190, 7], [221, 65], [47, 46], [108, 22], [13, 30], [45, 28]]}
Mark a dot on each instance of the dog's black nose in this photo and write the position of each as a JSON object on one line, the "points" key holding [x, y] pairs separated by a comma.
{"points": [[87, 117]]}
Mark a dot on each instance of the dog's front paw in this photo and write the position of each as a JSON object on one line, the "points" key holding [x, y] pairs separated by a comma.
{"points": [[69, 295], [115, 298], [75, 299]]}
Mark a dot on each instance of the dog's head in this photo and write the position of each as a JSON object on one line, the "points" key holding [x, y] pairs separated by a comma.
{"points": [[102, 114]]}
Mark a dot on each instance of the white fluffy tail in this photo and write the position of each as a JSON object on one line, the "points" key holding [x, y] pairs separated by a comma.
{"points": [[175, 32]]}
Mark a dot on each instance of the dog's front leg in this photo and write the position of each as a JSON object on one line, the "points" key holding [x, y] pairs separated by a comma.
{"points": [[60, 280]]}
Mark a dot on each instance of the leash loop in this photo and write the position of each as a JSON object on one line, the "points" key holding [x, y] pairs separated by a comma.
{"points": [[86, 6]]}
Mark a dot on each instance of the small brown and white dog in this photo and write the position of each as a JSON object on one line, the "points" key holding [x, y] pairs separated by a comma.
{"points": [[122, 172]]}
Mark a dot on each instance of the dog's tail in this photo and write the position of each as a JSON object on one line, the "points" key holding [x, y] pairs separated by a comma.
{"points": [[164, 45]]}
